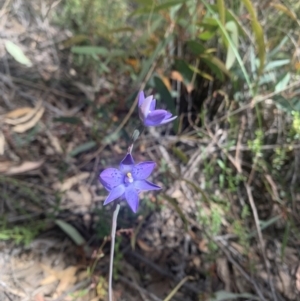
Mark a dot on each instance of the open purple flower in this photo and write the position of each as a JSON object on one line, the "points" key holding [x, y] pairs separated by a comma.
{"points": [[128, 181], [148, 114]]}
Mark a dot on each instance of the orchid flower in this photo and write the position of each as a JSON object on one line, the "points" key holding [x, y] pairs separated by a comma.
{"points": [[149, 115], [128, 181]]}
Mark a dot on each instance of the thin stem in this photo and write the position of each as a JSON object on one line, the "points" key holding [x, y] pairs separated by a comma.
{"points": [[112, 248]]}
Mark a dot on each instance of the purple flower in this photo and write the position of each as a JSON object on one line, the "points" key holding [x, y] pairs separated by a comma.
{"points": [[148, 114], [127, 181]]}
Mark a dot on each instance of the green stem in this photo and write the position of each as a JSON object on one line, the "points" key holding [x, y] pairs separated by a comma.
{"points": [[112, 248]]}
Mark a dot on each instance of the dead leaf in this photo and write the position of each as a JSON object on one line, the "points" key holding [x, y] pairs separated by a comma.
{"points": [[24, 167], [4, 166], [298, 279], [86, 195], [25, 114], [75, 197], [39, 297], [101, 288], [202, 246], [166, 82], [21, 128], [2, 143], [175, 75], [54, 142], [223, 272], [17, 113], [144, 246], [70, 182], [65, 277]]}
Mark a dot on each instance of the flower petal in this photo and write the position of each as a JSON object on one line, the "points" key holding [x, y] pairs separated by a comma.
{"points": [[144, 108], [143, 170], [110, 178], [152, 105], [114, 194], [155, 117], [167, 120], [143, 185], [132, 198], [127, 164], [141, 98]]}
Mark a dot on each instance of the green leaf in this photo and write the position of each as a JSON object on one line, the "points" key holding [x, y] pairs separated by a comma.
{"points": [[214, 68], [147, 64], [180, 154], [150, 9], [275, 64], [216, 65], [283, 83], [233, 33], [82, 148], [16, 52], [183, 68], [89, 50], [97, 51], [67, 119], [164, 93], [196, 47], [221, 9], [258, 32], [202, 73], [71, 232], [168, 5], [237, 55], [206, 35]]}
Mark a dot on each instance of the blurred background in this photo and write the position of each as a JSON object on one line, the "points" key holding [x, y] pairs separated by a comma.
{"points": [[226, 224]]}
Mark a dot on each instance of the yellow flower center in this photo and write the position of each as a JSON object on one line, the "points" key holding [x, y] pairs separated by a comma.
{"points": [[129, 177]]}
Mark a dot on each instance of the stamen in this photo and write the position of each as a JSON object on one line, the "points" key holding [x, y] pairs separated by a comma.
{"points": [[129, 177]]}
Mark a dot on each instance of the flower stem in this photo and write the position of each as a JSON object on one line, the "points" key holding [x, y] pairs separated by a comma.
{"points": [[112, 248]]}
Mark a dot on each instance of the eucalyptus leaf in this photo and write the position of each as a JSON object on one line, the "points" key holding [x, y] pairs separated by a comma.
{"points": [[17, 53], [82, 148], [226, 296], [71, 232], [283, 83]]}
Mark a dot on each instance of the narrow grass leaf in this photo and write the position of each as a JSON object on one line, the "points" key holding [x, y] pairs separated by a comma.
{"points": [[82, 148], [147, 64], [221, 9], [285, 10], [89, 50], [17, 53], [233, 32], [71, 232], [258, 32], [67, 119], [180, 154], [236, 53], [168, 4]]}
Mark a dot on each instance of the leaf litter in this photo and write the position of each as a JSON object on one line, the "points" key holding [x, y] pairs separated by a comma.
{"points": [[39, 177]]}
